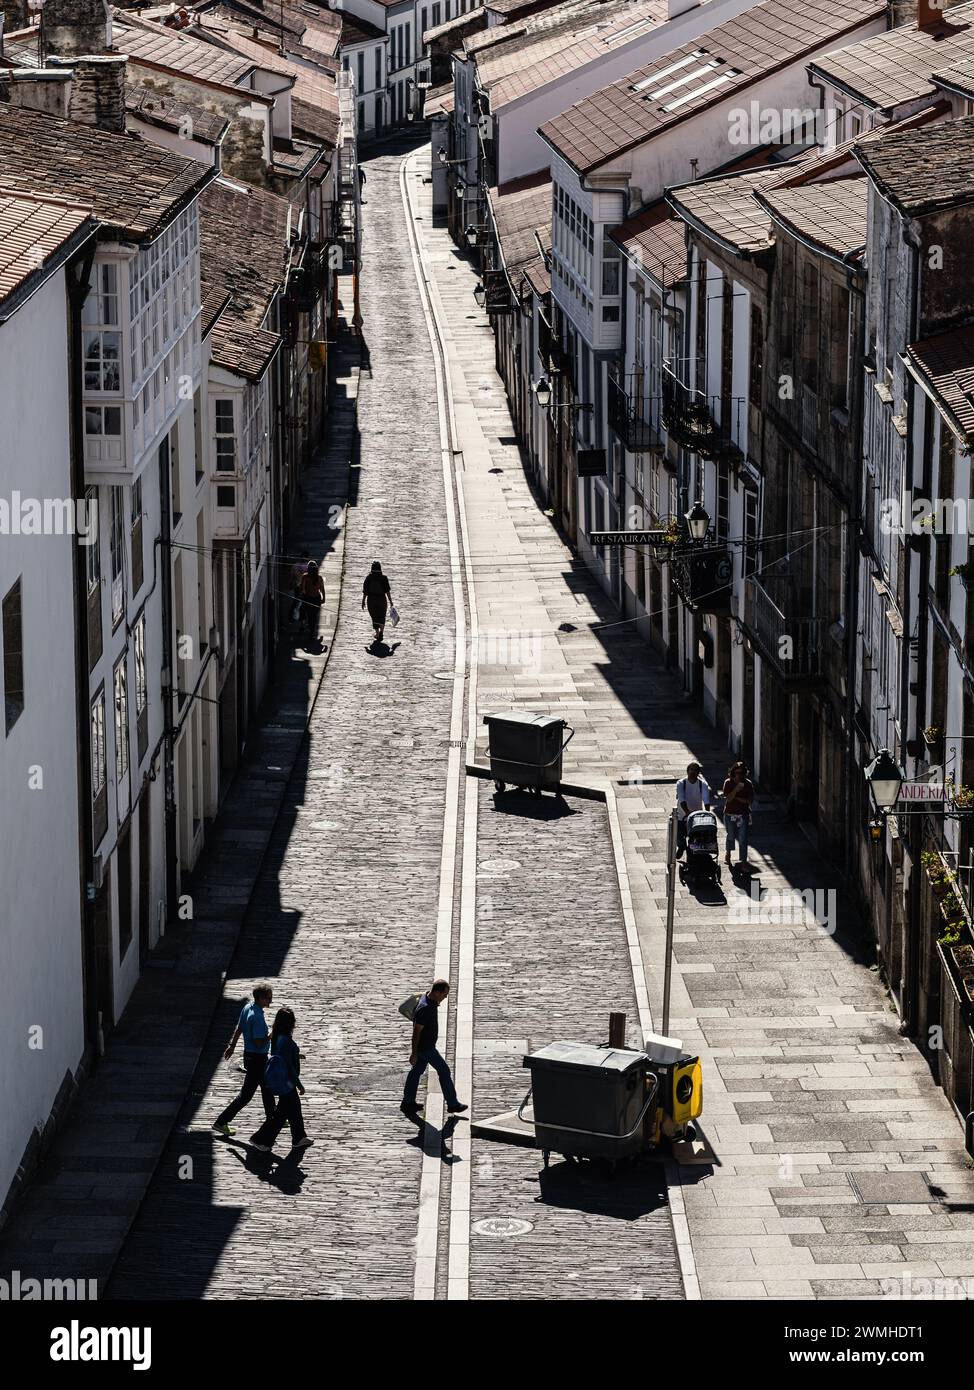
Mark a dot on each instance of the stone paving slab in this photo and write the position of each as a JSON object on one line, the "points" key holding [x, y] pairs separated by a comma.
{"points": [[789, 1004]]}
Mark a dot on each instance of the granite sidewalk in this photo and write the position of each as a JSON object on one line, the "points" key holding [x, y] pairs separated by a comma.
{"points": [[832, 1164]]}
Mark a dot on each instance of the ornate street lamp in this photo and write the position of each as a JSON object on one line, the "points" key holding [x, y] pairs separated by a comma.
{"points": [[885, 777], [472, 234], [441, 155], [542, 389], [698, 521], [480, 294]]}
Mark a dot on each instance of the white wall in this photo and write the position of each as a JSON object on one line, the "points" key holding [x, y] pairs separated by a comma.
{"points": [[40, 932]]}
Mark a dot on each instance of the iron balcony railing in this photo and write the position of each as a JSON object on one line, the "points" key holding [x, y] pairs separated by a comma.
{"points": [[793, 645], [690, 420], [634, 413]]}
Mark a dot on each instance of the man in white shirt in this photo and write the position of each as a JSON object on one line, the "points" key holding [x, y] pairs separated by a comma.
{"points": [[692, 794]]}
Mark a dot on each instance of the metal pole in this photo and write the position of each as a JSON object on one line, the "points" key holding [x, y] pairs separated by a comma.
{"points": [[670, 896]]}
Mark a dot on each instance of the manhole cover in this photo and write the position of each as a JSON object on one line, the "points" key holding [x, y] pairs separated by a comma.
{"points": [[446, 676], [499, 1227], [402, 743], [499, 866]]}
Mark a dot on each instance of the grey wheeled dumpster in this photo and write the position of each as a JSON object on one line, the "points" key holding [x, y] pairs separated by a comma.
{"points": [[526, 749], [593, 1102]]}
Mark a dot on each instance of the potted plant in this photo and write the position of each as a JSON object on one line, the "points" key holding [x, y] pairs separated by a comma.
{"points": [[936, 871], [965, 573], [964, 957], [963, 801], [932, 735]]}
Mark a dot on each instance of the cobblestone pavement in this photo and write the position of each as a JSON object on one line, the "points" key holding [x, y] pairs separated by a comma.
{"points": [[344, 923], [837, 1164]]}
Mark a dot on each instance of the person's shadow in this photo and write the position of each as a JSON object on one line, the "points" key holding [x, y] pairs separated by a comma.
{"points": [[433, 1141], [383, 648]]}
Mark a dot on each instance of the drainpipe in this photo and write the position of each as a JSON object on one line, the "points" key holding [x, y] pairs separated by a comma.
{"points": [[911, 975], [78, 276], [852, 599], [168, 659]]}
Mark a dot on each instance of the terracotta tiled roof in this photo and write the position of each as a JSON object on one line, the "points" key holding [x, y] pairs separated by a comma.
{"points": [[472, 20], [133, 187], [762, 40], [162, 47], [439, 99], [243, 254], [257, 54], [898, 66], [521, 209], [213, 304], [945, 363], [31, 230], [314, 94], [246, 352], [157, 108], [557, 42], [922, 170], [831, 213], [727, 208], [656, 238], [958, 78]]}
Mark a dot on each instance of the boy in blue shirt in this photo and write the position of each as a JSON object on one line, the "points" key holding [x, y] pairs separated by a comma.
{"points": [[252, 1027]]}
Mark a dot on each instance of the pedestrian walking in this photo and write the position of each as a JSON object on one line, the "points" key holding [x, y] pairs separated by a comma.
{"points": [[692, 794], [377, 596], [252, 1027], [284, 1074], [312, 590], [298, 571], [426, 1031], [738, 795]]}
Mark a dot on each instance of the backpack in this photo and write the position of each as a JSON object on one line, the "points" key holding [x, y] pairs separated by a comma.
{"points": [[276, 1078], [409, 1006]]}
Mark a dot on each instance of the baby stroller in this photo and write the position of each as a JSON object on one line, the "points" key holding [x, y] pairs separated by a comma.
{"points": [[702, 860]]}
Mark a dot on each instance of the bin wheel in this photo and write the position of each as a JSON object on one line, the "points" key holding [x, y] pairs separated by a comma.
{"points": [[500, 786]]}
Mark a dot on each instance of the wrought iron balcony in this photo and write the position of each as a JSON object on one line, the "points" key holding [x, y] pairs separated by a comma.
{"points": [[792, 644], [689, 420], [633, 412]]}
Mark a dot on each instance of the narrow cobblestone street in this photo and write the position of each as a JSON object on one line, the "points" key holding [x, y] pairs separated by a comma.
{"points": [[829, 1160], [343, 923]]}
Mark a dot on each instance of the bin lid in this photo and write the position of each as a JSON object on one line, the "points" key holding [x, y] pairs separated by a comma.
{"points": [[582, 1056], [523, 716]]}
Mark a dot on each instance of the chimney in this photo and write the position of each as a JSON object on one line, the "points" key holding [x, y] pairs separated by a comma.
{"points": [[37, 89], [97, 89], [14, 15], [930, 13], [76, 26]]}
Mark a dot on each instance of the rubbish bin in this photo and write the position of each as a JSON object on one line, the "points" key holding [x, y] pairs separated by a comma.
{"points": [[680, 1093], [591, 1102], [526, 749]]}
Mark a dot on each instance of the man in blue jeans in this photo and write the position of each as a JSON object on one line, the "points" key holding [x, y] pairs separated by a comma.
{"points": [[426, 1031], [252, 1027]]}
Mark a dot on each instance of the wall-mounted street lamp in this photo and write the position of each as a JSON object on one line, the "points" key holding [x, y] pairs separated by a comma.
{"points": [[698, 521], [473, 235], [480, 294], [885, 778], [542, 389]]}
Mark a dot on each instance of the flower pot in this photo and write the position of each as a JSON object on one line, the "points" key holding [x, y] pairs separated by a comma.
{"points": [[968, 982], [964, 958]]}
